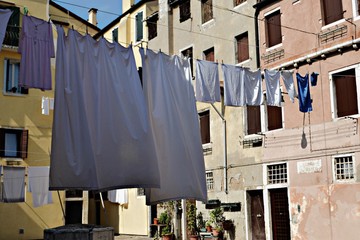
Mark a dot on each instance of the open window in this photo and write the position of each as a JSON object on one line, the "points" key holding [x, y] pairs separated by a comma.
{"points": [[209, 54], [13, 143], [12, 34], [11, 77], [185, 10], [152, 25]]}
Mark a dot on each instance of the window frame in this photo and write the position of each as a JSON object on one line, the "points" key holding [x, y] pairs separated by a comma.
{"points": [[353, 179], [238, 2], [184, 10], [22, 139], [209, 180], [238, 58], [23, 91], [205, 139], [323, 14], [270, 46], [356, 9], [207, 54], [204, 17], [140, 192], [139, 38], [190, 56], [333, 98], [151, 23]]}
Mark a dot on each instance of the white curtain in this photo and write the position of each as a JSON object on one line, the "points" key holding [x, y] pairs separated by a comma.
{"points": [[174, 120], [101, 135]]}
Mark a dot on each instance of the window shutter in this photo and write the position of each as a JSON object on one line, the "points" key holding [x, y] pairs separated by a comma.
{"points": [[273, 29], [2, 142], [346, 95], [205, 127], [243, 47], [253, 119], [358, 7], [207, 13], [115, 34], [24, 143], [139, 26], [274, 117], [185, 12], [333, 11]]}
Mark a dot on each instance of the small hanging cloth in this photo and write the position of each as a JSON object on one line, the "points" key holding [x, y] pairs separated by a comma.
{"points": [[273, 92], [207, 82], [305, 102], [288, 80], [253, 87], [234, 87]]}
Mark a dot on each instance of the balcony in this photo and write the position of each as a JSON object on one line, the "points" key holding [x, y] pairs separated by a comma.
{"points": [[12, 36]]}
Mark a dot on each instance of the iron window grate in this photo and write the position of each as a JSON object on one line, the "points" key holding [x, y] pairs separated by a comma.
{"points": [[344, 168], [277, 173]]}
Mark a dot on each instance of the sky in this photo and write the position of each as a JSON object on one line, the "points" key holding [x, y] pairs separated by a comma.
{"points": [[108, 10]]}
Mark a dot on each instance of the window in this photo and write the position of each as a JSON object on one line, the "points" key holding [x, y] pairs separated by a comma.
{"points": [[185, 11], [139, 26], [332, 11], [273, 29], [12, 34], [205, 126], [274, 118], [358, 7], [242, 47], [188, 53], [238, 2], [11, 77], [207, 10], [13, 143], [277, 173], [140, 192], [209, 180], [253, 119], [209, 55], [346, 99], [344, 168], [115, 35], [152, 25]]}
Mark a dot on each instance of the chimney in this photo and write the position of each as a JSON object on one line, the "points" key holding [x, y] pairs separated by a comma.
{"points": [[92, 16], [126, 5]]}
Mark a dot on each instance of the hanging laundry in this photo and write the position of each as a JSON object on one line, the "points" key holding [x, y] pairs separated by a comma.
{"points": [[51, 103], [207, 82], [36, 47], [273, 92], [305, 102], [1, 185], [119, 196], [5, 15], [14, 184], [45, 106], [39, 185], [101, 137], [288, 79], [314, 78], [234, 88], [174, 120], [253, 87]]}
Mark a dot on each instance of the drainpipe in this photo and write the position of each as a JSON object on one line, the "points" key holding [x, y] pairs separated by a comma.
{"points": [[257, 40], [225, 149]]}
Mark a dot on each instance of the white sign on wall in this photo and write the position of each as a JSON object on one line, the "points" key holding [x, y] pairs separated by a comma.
{"points": [[312, 166]]}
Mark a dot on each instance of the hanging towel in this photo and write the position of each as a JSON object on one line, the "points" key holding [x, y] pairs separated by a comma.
{"points": [[14, 184], [234, 89], [119, 196], [253, 87], [314, 78], [207, 82], [305, 104], [273, 92], [101, 137], [39, 185], [288, 79], [36, 47], [175, 124], [45, 106], [5, 15]]}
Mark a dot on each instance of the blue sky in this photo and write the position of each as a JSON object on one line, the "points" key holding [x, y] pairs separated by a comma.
{"points": [[108, 10]]}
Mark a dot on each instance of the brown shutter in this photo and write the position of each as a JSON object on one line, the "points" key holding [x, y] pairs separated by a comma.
{"points": [[332, 10], [346, 95], [274, 117], [24, 143], [207, 13], [273, 29], [2, 142], [205, 127], [358, 9], [243, 47], [253, 119]]}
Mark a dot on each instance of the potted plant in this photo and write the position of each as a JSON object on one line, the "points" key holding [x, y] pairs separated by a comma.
{"points": [[166, 233], [208, 226], [217, 231], [191, 221], [216, 218], [200, 222]]}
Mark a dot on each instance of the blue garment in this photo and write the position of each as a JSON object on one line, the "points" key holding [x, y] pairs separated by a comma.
{"points": [[314, 77], [304, 93]]}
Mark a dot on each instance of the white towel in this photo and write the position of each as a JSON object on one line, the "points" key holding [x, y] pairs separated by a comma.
{"points": [[253, 87], [207, 82], [288, 79], [234, 88], [273, 92], [14, 184], [45, 107], [39, 185]]}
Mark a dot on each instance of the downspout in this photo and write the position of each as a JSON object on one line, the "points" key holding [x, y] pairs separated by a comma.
{"points": [[225, 149], [257, 40]]}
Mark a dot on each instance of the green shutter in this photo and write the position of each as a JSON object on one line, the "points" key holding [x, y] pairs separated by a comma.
{"points": [[139, 26]]}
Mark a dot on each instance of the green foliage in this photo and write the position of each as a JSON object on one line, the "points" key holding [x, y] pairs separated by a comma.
{"points": [[216, 216], [191, 218], [164, 218], [166, 230], [200, 220]]}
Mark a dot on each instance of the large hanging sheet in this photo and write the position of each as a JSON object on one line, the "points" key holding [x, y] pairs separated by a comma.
{"points": [[174, 120], [101, 135]]}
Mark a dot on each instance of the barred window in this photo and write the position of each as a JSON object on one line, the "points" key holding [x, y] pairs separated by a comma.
{"points": [[344, 168], [209, 180], [140, 192], [277, 173]]}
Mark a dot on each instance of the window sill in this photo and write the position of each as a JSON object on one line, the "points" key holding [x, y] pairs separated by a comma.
{"points": [[274, 47], [208, 24], [243, 62], [240, 5], [333, 24]]}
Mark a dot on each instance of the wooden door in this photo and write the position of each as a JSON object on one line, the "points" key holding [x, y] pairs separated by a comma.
{"points": [[257, 215], [280, 214]]}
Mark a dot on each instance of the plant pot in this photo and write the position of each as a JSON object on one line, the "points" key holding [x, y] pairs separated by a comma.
{"points": [[167, 237], [208, 228], [216, 233], [156, 221], [193, 237]]}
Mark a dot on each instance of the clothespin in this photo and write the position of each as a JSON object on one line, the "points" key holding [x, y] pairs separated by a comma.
{"points": [[26, 11]]}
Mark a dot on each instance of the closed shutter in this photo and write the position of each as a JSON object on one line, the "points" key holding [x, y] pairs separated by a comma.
{"points": [[358, 7], [2, 142], [24, 143], [207, 12], [332, 11], [185, 12], [273, 29], [243, 47], [274, 117], [253, 119], [205, 127], [139, 26], [346, 95]]}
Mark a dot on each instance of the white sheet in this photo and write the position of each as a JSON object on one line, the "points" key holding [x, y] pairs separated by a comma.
{"points": [[234, 88], [273, 92], [288, 79], [101, 135], [253, 87], [175, 123], [207, 82], [39, 185], [14, 184], [119, 196]]}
